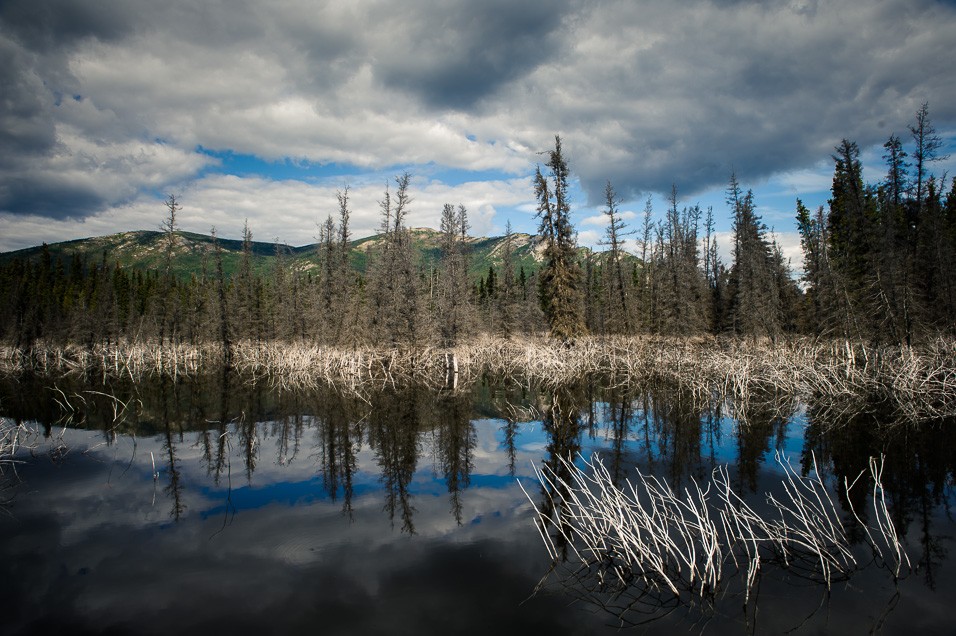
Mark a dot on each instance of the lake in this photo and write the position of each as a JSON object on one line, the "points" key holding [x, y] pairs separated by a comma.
{"points": [[221, 504]]}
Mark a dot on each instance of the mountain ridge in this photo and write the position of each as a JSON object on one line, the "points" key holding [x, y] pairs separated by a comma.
{"points": [[144, 250]]}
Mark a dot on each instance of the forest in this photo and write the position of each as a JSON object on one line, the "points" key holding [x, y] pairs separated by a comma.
{"points": [[879, 268]]}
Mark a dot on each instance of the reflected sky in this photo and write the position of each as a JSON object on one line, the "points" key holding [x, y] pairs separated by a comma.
{"points": [[401, 514]]}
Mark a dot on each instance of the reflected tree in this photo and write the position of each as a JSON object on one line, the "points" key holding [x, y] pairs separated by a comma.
{"points": [[288, 434], [510, 432], [679, 414], [918, 477], [455, 445], [562, 423], [174, 488], [339, 440], [619, 415], [758, 422], [393, 435]]}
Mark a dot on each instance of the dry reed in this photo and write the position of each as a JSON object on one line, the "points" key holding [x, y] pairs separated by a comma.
{"points": [[910, 383], [13, 436], [652, 547]]}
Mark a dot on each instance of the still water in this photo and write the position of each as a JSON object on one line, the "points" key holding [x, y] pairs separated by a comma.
{"points": [[220, 505]]}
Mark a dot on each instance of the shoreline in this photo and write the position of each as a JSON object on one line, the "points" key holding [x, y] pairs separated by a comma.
{"points": [[918, 383]]}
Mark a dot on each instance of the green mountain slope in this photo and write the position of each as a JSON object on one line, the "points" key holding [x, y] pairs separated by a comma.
{"points": [[144, 250]]}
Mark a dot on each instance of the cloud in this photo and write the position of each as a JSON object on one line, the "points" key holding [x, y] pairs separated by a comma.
{"points": [[100, 506], [789, 243], [289, 210], [106, 103], [80, 177], [26, 126], [602, 219], [697, 91], [295, 208], [589, 238], [461, 53], [795, 182], [49, 23]]}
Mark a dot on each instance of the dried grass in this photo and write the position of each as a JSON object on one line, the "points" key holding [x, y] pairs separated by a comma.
{"points": [[644, 546], [13, 436], [911, 383]]}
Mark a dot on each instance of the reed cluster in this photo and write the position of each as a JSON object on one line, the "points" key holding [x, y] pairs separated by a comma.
{"points": [[908, 382], [655, 547], [12, 438]]}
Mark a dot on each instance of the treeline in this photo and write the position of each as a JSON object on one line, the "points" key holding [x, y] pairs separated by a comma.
{"points": [[398, 300], [880, 262]]}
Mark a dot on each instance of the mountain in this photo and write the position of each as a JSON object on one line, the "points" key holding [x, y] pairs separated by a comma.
{"points": [[144, 250]]}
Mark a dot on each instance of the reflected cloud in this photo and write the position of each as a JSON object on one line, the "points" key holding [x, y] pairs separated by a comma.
{"points": [[316, 506]]}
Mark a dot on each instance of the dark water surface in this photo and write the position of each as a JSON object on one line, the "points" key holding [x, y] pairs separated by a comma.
{"points": [[219, 506]]}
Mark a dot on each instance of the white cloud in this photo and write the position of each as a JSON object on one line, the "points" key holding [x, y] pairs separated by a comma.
{"points": [[599, 220], [644, 94], [287, 210], [789, 243], [796, 182], [589, 238]]}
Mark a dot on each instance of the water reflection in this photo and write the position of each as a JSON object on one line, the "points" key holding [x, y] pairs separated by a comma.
{"points": [[421, 460], [919, 473]]}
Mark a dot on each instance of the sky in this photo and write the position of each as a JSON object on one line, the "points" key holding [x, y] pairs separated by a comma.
{"points": [[264, 111]]}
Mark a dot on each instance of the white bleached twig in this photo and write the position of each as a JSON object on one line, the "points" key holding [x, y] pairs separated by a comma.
{"points": [[661, 542]]}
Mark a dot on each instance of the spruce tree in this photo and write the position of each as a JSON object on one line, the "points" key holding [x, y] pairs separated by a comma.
{"points": [[394, 290], [678, 293], [617, 286], [222, 302], [755, 307], [928, 144], [508, 295], [851, 229], [168, 305], [560, 278], [455, 314]]}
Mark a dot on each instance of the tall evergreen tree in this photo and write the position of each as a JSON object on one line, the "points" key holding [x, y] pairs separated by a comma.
{"points": [[817, 276], [245, 299], [168, 304], [330, 310], [714, 273], [509, 295], [927, 146], [394, 277], [617, 285], [560, 278], [852, 228], [222, 301], [891, 263], [455, 312], [348, 299], [678, 288], [755, 307], [643, 278]]}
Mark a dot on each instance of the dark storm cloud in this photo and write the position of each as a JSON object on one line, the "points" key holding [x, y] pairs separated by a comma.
{"points": [[49, 196], [34, 73], [755, 88], [26, 125], [50, 24], [453, 55], [66, 157]]}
